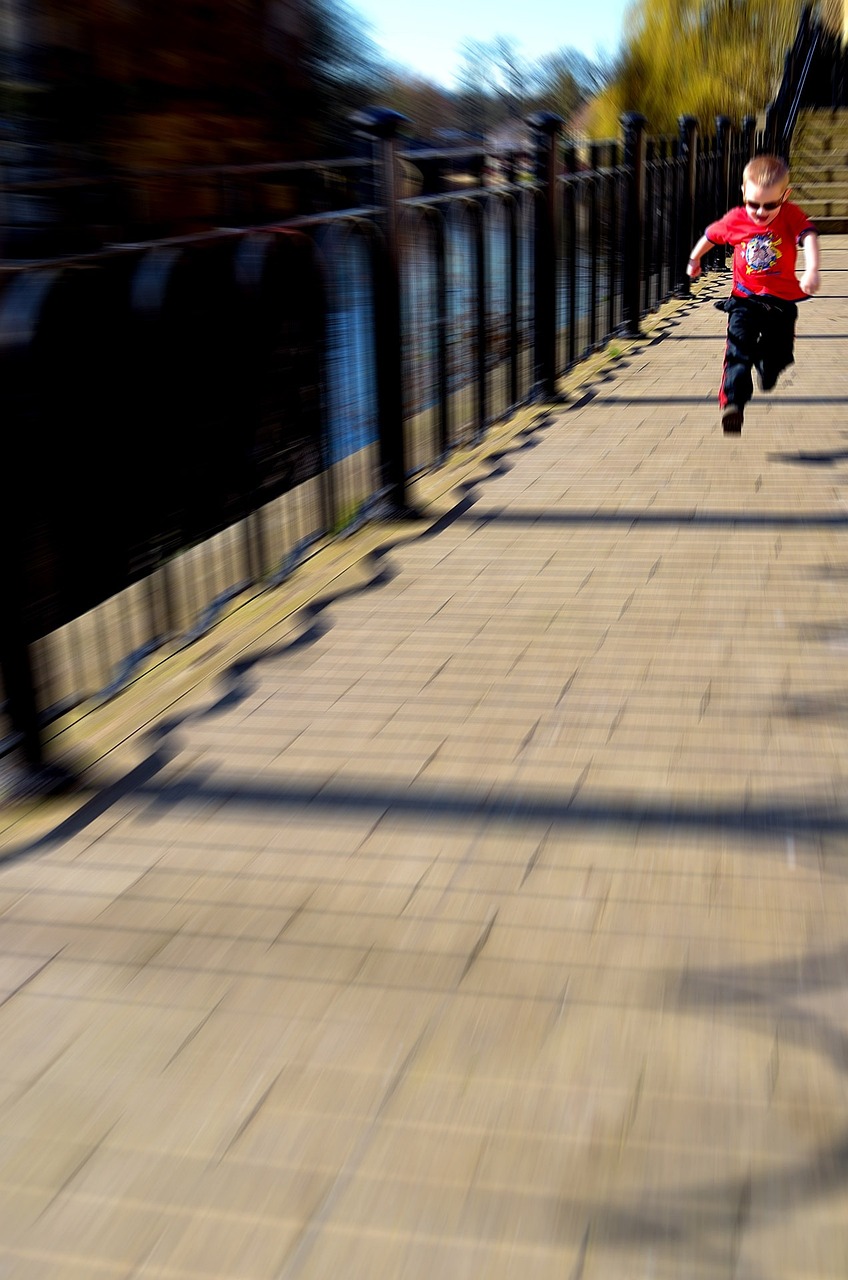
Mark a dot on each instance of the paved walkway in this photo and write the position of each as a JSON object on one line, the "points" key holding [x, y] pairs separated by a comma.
{"points": [[487, 919]]}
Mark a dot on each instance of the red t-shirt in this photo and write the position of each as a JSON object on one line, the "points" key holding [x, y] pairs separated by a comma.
{"points": [[764, 257]]}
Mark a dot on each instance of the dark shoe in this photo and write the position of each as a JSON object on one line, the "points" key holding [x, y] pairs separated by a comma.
{"points": [[731, 420], [766, 380]]}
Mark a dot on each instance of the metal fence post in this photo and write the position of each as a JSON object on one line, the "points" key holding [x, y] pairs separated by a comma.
{"points": [[14, 655], [569, 265], [749, 125], [20, 312], [35, 776], [740, 155], [595, 163], [383, 124], [547, 128], [634, 218], [722, 192], [688, 127]]}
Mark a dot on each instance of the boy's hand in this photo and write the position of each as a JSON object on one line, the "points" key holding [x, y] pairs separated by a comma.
{"points": [[693, 269], [810, 282]]}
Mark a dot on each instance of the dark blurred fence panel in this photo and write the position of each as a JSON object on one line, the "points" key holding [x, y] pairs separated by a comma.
{"points": [[185, 418], [168, 445]]}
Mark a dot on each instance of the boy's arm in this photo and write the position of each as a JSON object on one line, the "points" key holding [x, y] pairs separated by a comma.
{"points": [[810, 281], [693, 266]]}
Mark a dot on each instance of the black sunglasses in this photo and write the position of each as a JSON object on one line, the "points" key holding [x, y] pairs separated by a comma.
{"points": [[771, 205]]}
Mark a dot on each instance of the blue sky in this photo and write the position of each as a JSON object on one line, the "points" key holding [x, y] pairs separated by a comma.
{"points": [[427, 35]]}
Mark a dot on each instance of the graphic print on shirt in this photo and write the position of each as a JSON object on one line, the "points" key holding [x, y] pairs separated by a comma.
{"points": [[761, 253]]}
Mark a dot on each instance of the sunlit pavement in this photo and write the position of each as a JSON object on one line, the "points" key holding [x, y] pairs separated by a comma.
{"points": [[494, 924]]}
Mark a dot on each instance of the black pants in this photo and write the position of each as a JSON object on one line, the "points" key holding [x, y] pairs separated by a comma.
{"points": [[760, 335]]}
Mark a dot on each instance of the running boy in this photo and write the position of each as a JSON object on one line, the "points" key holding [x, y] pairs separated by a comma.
{"points": [[765, 232]]}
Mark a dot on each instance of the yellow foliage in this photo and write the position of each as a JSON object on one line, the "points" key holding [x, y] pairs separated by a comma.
{"points": [[696, 57]]}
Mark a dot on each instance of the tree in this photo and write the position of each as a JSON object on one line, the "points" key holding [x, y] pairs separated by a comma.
{"points": [[696, 57], [565, 81], [477, 108], [341, 70], [430, 109], [510, 76]]}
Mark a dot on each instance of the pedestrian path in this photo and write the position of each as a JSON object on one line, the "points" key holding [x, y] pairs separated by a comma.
{"points": [[487, 917]]}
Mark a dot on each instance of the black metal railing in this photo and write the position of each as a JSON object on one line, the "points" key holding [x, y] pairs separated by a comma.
{"points": [[71, 214], [186, 418], [815, 75], [592, 259]]}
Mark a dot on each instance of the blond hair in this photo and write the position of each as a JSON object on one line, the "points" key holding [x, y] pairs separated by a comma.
{"points": [[766, 171]]}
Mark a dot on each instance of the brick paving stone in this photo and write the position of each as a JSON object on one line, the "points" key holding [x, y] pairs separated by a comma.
{"points": [[497, 929]]}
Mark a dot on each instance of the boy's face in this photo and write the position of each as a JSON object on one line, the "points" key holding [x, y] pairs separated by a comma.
{"points": [[762, 204]]}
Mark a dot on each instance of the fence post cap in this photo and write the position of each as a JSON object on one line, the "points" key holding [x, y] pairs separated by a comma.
{"points": [[632, 119], [545, 121], [381, 122]]}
